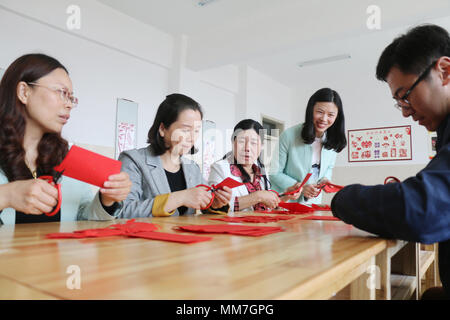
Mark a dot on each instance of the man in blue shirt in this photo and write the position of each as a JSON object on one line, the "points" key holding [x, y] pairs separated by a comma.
{"points": [[416, 67]]}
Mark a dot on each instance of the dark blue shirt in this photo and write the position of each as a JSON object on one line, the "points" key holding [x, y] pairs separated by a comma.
{"points": [[417, 210]]}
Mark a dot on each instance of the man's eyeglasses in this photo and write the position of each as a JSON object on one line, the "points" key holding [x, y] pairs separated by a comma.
{"points": [[404, 98], [66, 96]]}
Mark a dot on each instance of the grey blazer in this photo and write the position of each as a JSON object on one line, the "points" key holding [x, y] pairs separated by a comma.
{"points": [[149, 180]]}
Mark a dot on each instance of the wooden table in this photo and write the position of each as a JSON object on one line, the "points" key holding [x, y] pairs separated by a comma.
{"points": [[310, 260]]}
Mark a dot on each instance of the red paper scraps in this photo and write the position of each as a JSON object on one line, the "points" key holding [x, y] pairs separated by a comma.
{"points": [[253, 219], [231, 229], [181, 238], [331, 218], [129, 229], [298, 189], [87, 166]]}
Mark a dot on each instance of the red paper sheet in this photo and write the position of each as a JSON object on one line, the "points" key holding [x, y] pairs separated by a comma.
{"points": [[88, 166], [295, 207], [253, 219], [330, 187], [228, 182], [231, 229]]}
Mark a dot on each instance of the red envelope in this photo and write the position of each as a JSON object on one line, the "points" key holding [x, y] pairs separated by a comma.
{"points": [[228, 182], [88, 166]]}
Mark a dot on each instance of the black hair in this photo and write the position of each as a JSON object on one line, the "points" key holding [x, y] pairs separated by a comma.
{"points": [[335, 138], [168, 113], [243, 125], [414, 51]]}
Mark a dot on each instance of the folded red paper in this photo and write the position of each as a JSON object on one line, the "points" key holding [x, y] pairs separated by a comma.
{"points": [[253, 219], [231, 229], [330, 187], [88, 166]]}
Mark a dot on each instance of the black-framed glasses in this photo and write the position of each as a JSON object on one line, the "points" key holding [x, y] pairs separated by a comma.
{"points": [[66, 96], [404, 98]]}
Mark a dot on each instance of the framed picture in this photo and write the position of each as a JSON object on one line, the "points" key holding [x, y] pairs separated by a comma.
{"points": [[126, 126], [380, 144]]}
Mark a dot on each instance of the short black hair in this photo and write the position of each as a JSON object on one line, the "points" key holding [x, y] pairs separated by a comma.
{"points": [[248, 124], [168, 113], [414, 51], [335, 138]]}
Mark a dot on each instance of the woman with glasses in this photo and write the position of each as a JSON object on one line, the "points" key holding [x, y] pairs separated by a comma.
{"points": [[243, 164], [165, 183], [311, 147], [35, 103]]}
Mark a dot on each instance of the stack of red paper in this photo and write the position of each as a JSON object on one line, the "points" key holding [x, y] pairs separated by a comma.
{"points": [[253, 219], [320, 208], [129, 229], [231, 229]]}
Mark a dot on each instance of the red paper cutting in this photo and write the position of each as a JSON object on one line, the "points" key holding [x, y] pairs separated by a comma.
{"points": [[129, 229], [253, 219], [181, 238], [231, 229], [88, 166]]}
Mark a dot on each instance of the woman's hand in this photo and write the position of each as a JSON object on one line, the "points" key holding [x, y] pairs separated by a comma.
{"points": [[268, 198], [34, 196], [294, 196], [222, 198], [195, 198], [116, 189], [310, 191]]}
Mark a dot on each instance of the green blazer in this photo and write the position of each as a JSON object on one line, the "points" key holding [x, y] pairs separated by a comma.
{"points": [[294, 161]]}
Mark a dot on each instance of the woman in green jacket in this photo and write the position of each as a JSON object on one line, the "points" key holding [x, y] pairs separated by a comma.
{"points": [[311, 147]]}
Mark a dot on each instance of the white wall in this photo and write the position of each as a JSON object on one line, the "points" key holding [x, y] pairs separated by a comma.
{"points": [[115, 56], [367, 102]]}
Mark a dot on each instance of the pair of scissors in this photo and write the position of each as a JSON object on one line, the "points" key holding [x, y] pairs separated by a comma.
{"points": [[54, 181], [208, 188]]}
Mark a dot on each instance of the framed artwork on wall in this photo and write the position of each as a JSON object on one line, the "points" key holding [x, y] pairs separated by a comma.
{"points": [[380, 144], [126, 126]]}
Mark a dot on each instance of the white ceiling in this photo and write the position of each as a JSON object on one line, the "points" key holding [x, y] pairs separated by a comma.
{"points": [[272, 35]]}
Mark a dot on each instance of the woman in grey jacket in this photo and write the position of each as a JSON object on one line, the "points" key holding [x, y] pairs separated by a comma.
{"points": [[164, 182]]}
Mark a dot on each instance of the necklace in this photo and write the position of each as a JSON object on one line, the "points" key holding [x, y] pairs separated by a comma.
{"points": [[33, 172]]}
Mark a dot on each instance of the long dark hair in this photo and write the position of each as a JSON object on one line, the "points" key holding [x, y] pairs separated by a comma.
{"points": [[243, 125], [52, 148], [168, 113], [335, 138]]}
